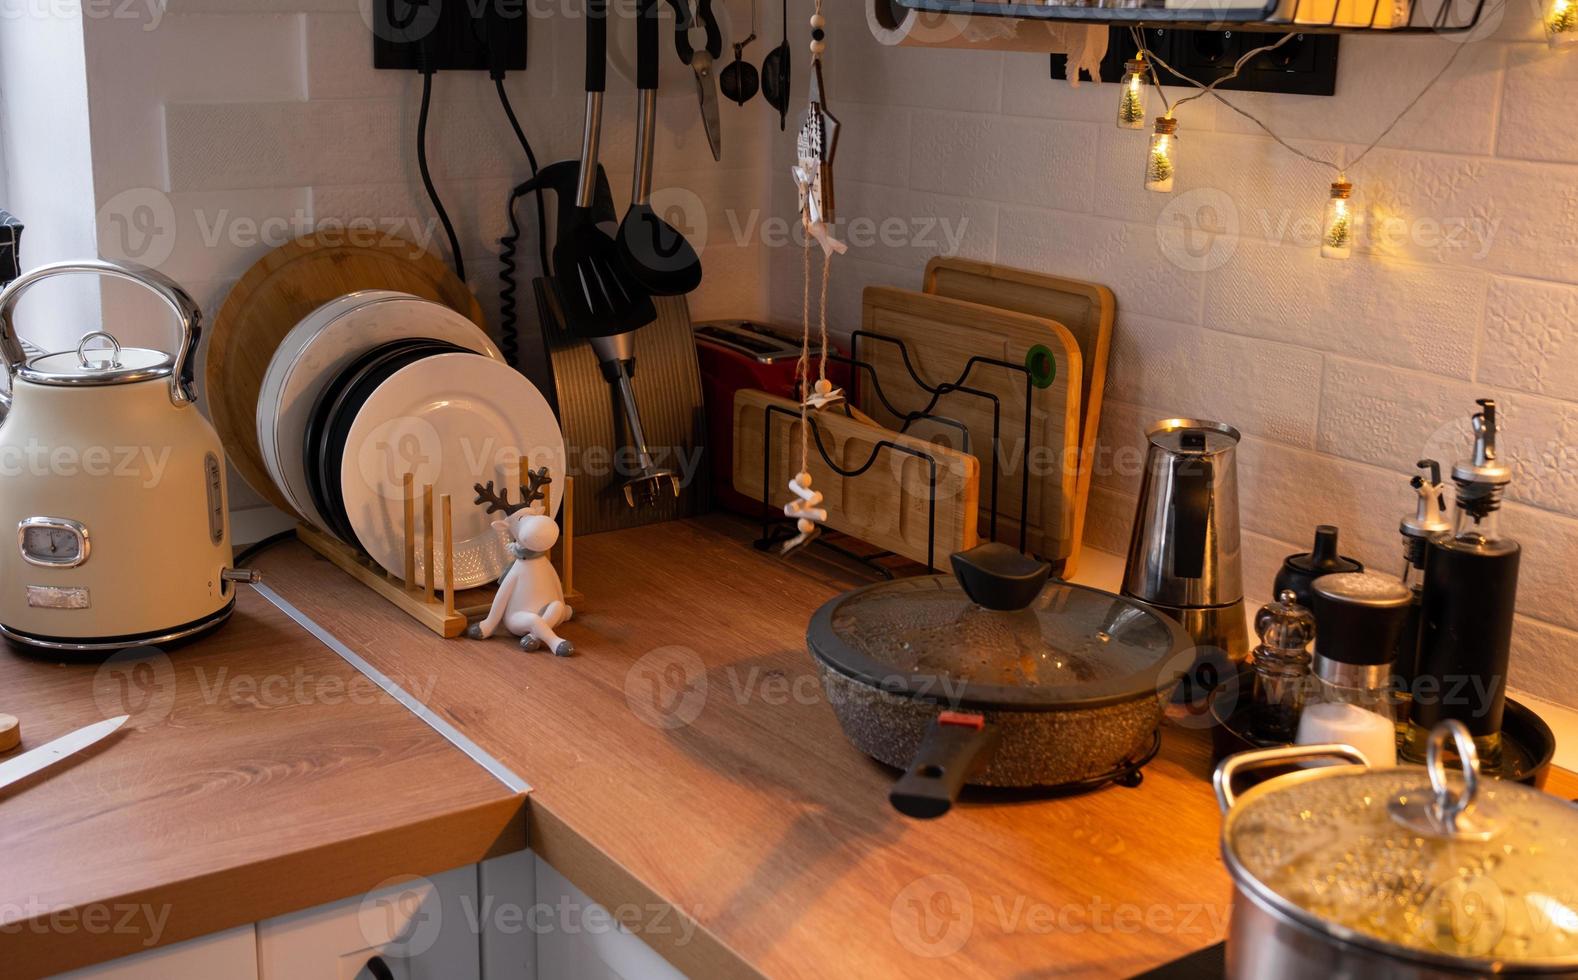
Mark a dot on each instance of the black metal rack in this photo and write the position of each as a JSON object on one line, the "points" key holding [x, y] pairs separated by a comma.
{"points": [[1278, 16]]}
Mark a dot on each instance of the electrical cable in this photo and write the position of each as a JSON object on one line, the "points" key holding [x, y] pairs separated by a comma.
{"points": [[1340, 170], [509, 334], [427, 178], [252, 550]]}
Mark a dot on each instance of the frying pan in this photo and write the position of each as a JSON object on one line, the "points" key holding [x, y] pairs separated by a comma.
{"points": [[776, 70], [994, 677]]}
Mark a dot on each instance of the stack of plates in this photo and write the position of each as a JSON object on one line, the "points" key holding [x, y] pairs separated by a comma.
{"points": [[378, 384]]}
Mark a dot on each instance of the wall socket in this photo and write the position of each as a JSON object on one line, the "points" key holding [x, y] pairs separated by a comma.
{"points": [[455, 33], [1306, 65]]}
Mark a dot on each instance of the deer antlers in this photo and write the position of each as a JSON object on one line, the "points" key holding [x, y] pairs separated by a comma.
{"points": [[535, 490]]}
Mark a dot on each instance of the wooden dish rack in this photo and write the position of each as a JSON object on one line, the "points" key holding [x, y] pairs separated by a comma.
{"points": [[446, 612]]}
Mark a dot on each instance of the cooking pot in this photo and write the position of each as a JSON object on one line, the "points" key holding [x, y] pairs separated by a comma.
{"points": [[114, 484], [996, 677], [1344, 870]]}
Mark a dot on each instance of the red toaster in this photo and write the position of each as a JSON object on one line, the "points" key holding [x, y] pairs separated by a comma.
{"points": [[740, 355]]}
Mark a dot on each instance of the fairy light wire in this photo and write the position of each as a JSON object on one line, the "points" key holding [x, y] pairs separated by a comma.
{"points": [[1335, 168]]}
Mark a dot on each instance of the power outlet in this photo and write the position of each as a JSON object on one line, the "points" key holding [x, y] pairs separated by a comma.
{"points": [[1306, 65], [455, 34]]}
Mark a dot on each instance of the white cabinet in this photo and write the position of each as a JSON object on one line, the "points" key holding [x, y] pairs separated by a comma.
{"points": [[422, 928], [578, 939], [231, 954]]}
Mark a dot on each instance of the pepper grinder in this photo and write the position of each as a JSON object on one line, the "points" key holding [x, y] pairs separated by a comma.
{"points": [[1358, 616], [1281, 665], [1470, 595]]}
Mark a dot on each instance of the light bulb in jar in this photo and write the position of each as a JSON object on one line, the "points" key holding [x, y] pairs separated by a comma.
{"points": [[1161, 161], [1337, 230], [1132, 97], [1561, 23]]}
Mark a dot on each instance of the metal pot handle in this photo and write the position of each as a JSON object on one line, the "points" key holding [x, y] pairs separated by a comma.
{"points": [[186, 311], [1222, 780]]}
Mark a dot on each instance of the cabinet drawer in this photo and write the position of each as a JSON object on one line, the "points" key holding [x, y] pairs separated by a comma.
{"points": [[422, 929]]}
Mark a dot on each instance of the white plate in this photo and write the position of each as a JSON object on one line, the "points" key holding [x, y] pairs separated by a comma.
{"points": [[452, 420], [322, 345]]}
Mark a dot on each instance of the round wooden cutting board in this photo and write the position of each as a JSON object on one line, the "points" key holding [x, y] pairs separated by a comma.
{"points": [[275, 294]]}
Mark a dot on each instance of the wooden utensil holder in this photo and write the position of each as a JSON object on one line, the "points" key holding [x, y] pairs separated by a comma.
{"points": [[446, 612]]}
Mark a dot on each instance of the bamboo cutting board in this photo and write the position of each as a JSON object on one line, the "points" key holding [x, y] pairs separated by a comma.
{"points": [[1088, 311], [887, 505], [275, 294], [941, 336]]}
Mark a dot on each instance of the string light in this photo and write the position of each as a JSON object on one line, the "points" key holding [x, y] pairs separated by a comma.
{"points": [[1132, 97], [1561, 24], [1161, 162], [1337, 230]]}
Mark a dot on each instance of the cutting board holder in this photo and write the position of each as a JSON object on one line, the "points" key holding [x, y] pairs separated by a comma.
{"points": [[864, 371], [445, 612], [777, 530]]}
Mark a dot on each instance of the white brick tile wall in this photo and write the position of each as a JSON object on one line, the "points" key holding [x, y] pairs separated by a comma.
{"points": [[1340, 374]]}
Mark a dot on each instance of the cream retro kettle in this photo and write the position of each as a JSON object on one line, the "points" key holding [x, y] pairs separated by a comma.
{"points": [[115, 486]]}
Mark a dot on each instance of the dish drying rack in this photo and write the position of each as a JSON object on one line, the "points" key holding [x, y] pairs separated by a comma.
{"points": [[446, 612], [1274, 16]]}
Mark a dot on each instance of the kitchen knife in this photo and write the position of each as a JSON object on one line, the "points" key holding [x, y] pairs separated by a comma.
{"points": [[50, 753]]}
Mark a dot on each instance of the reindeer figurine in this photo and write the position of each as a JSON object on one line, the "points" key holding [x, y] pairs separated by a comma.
{"points": [[530, 601]]}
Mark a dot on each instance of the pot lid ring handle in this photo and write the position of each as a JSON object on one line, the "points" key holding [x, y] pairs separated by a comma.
{"points": [[114, 350], [1449, 812]]}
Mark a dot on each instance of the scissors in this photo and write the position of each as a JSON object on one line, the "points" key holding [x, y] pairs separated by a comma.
{"points": [[702, 62]]}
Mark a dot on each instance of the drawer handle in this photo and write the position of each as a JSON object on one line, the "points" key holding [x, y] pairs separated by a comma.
{"points": [[379, 969]]}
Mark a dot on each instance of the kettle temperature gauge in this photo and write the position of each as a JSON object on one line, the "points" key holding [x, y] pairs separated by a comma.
{"points": [[53, 542]]}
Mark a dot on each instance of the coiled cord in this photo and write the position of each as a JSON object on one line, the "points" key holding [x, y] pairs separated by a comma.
{"points": [[509, 343]]}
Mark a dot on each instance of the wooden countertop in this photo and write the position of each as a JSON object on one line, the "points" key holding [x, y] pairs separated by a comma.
{"points": [[686, 759], [259, 774]]}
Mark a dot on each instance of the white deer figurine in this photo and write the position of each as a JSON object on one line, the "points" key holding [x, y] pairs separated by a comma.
{"points": [[530, 602]]}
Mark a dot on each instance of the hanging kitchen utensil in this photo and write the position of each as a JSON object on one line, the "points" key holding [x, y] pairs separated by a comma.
{"points": [[655, 253], [702, 63], [995, 676], [1348, 871], [777, 72], [739, 80], [118, 552], [597, 296]]}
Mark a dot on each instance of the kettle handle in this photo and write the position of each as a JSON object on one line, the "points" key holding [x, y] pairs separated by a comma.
{"points": [[186, 311]]}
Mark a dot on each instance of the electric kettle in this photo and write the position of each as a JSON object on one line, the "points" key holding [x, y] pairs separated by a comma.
{"points": [[114, 483], [1184, 554]]}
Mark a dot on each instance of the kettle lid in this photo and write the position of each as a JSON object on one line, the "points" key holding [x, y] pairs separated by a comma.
{"points": [[101, 365], [1197, 437]]}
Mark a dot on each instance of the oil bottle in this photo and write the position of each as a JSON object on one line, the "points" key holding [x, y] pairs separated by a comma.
{"points": [[1466, 610]]}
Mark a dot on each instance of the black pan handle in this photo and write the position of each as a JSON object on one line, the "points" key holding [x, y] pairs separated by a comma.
{"points": [[957, 747], [596, 45]]}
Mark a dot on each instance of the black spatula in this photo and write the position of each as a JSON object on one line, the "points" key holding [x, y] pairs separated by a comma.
{"points": [[655, 253], [597, 294]]}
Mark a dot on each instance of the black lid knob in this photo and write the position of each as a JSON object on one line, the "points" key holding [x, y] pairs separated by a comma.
{"points": [[1359, 616], [1298, 571], [998, 577]]}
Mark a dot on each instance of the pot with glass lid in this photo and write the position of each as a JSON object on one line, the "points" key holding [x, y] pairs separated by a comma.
{"points": [[996, 677], [1344, 870]]}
